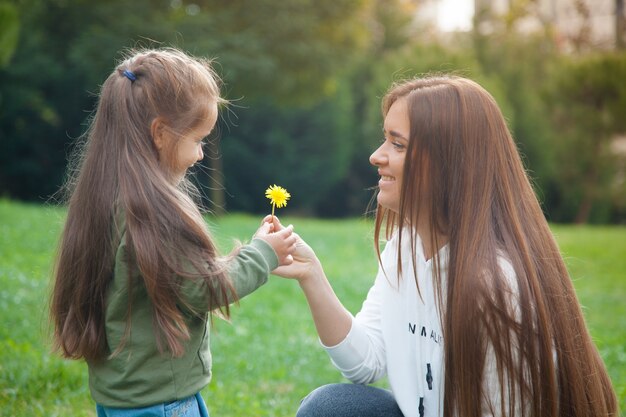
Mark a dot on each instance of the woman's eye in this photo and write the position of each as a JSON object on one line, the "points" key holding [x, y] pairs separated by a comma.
{"points": [[396, 144]]}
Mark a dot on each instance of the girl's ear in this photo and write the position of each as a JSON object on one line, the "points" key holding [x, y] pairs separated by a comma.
{"points": [[157, 129]]}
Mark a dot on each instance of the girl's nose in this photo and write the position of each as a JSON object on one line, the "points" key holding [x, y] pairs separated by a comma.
{"points": [[200, 153]]}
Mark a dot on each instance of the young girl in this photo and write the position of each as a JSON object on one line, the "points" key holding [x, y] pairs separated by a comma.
{"points": [[472, 312], [137, 271]]}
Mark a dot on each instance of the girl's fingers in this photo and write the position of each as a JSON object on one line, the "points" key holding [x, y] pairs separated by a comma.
{"points": [[273, 220], [265, 228], [286, 231]]}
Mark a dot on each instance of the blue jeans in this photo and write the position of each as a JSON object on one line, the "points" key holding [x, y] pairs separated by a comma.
{"points": [[192, 406], [349, 400]]}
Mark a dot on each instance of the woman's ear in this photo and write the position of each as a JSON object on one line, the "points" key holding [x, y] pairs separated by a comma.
{"points": [[157, 130]]}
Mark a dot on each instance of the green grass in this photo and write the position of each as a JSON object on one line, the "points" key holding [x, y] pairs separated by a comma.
{"points": [[268, 358]]}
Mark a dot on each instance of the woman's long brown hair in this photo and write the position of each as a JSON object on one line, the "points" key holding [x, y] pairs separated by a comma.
{"points": [[119, 173], [462, 161]]}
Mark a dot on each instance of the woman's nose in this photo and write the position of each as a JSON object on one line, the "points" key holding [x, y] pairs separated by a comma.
{"points": [[377, 158]]}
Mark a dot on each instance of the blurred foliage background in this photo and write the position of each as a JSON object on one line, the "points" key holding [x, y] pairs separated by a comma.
{"points": [[305, 78]]}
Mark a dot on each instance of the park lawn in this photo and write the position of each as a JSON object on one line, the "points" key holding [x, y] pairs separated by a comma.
{"points": [[268, 357]]}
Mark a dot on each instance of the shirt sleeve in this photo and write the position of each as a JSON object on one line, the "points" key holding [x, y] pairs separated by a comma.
{"points": [[361, 355], [248, 270], [252, 266], [496, 394]]}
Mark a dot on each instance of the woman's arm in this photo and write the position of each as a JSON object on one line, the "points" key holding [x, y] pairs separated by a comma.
{"points": [[332, 320], [355, 345]]}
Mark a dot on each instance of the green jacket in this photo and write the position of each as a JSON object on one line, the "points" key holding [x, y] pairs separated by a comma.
{"points": [[139, 375]]}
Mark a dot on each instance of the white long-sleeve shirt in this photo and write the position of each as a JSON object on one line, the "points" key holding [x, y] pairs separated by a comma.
{"points": [[398, 333]]}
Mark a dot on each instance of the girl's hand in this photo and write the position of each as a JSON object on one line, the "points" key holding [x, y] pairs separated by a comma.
{"points": [[282, 240]]}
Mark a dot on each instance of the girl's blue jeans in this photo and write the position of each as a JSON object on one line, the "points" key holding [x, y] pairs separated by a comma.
{"points": [[192, 406], [349, 400]]}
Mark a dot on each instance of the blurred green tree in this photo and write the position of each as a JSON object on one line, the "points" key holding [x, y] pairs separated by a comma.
{"points": [[306, 150], [63, 55], [9, 31], [620, 25], [291, 51], [565, 107], [522, 64], [588, 98], [305, 79], [393, 29], [282, 63]]}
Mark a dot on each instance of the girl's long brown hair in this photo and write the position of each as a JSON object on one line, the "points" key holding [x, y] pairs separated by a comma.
{"points": [[462, 161], [119, 173]]}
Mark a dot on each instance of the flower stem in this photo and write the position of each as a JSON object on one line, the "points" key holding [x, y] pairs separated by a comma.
{"points": [[273, 211]]}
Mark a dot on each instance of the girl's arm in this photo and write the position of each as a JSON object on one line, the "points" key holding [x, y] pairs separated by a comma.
{"points": [[248, 269]]}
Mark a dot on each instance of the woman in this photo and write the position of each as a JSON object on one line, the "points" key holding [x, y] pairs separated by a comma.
{"points": [[473, 312]]}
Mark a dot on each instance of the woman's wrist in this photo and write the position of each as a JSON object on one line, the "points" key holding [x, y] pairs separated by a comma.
{"points": [[313, 276]]}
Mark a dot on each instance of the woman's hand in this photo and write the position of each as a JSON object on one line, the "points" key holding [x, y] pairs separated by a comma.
{"points": [[305, 265], [332, 320]]}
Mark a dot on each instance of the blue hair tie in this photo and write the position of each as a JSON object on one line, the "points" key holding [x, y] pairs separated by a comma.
{"points": [[130, 75]]}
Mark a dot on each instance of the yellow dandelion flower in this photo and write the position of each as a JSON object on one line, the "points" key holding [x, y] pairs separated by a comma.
{"points": [[278, 196]]}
